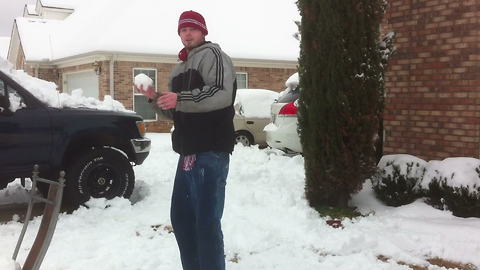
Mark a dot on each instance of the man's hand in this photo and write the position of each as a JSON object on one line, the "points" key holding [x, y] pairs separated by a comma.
{"points": [[167, 100], [149, 93]]}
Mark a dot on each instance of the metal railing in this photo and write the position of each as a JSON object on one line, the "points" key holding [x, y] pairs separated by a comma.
{"points": [[49, 219]]}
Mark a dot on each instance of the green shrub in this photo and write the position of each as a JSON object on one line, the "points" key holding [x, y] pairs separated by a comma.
{"points": [[394, 187], [462, 201]]}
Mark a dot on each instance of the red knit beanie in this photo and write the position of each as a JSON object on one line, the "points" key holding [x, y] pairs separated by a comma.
{"points": [[192, 19]]}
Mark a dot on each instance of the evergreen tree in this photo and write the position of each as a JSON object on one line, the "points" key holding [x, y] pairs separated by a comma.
{"points": [[342, 95]]}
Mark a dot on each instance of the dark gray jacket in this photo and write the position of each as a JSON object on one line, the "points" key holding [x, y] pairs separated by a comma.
{"points": [[206, 87]]}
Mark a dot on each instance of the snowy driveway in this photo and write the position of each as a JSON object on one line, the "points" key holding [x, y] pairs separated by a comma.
{"points": [[267, 224]]}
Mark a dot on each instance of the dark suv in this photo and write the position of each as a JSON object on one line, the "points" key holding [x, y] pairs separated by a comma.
{"points": [[96, 148]]}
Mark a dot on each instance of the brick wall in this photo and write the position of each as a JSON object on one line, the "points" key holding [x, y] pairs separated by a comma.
{"points": [[49, 74], [267, 78], [433, 80]]}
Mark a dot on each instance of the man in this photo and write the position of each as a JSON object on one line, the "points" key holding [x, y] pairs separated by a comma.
{"points": [[200, 102]]}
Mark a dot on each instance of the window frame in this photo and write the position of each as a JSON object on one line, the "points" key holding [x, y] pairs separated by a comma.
{"points": [[138, 94], [246, 78]]}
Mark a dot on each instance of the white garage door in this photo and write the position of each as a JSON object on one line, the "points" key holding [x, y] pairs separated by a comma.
{"points": [[87, 80]]}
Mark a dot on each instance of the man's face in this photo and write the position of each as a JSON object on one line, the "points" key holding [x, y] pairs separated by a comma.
{"points": [[191, 37]]}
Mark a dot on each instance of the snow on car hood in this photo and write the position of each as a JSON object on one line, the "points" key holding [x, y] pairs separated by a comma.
{"points": [[47, 93], [254, 103]]}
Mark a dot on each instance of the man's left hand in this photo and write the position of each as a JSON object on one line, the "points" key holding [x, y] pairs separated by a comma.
{"points": [[167, 100]]}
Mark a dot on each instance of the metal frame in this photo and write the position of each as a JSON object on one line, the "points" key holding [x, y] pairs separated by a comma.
{"points": [[49, 219]]}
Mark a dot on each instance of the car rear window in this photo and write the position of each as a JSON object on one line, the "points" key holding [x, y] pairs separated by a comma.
{"points": [[290, 96]]}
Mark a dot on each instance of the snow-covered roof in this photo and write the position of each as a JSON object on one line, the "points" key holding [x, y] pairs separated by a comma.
{"points": [[4, 44], [36, 37], [31, 9], [70, 4], [250, 29]]}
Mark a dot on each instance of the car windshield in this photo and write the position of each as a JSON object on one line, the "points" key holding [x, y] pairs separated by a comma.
{"points": [[290, 95]]}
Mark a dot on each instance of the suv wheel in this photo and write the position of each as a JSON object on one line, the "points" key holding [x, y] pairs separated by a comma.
{"points": [[244, 138], [100, 173]]}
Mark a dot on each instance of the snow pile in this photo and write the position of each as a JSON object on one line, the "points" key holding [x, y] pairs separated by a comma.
{"points": [[254, 103], [47, 93], [8, 264], [143, 81], [267, 224]]}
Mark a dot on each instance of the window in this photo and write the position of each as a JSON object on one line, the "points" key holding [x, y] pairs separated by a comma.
{"points": [[2, 89], [242, 80], [140, 102], [10, 100], [16, 101], [4, 104]]}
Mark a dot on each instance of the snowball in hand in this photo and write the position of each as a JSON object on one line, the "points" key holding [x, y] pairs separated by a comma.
{"points": [[142, 79]]}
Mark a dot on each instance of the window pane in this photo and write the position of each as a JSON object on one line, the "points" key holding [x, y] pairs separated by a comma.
{"points": [[241, 80], [16, 101], [142, 107], [151, 73]]}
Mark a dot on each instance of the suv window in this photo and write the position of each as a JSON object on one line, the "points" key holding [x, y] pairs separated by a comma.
{"points": [[10, 98], [2, 89], [290, 96], [4, 102]]}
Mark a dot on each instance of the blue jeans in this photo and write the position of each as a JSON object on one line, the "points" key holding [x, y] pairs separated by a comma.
{"points": [[197, 208]]}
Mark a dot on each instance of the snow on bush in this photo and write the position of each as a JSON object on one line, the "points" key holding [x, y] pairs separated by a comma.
{"points": [[454, 184], [396, 182], [451, 184], [458, 171], [401, 160]]}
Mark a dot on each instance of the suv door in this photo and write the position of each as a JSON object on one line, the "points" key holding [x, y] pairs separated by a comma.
{"points": [[25, 133]]}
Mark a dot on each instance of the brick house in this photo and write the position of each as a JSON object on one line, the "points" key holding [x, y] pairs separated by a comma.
{"points": [[433, 79], [108, 70]]}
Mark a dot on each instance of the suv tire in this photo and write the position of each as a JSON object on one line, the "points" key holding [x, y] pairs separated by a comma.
{"points": [[100, 173]]}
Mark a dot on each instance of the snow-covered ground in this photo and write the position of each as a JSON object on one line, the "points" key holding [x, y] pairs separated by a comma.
{"points": [[267, 224]]}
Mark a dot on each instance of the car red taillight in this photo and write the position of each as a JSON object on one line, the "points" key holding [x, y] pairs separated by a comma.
{"points": [[288, 109]]}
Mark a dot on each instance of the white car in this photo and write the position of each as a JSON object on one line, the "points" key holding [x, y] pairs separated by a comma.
{"points": [[282, 132], [252, 114]]}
